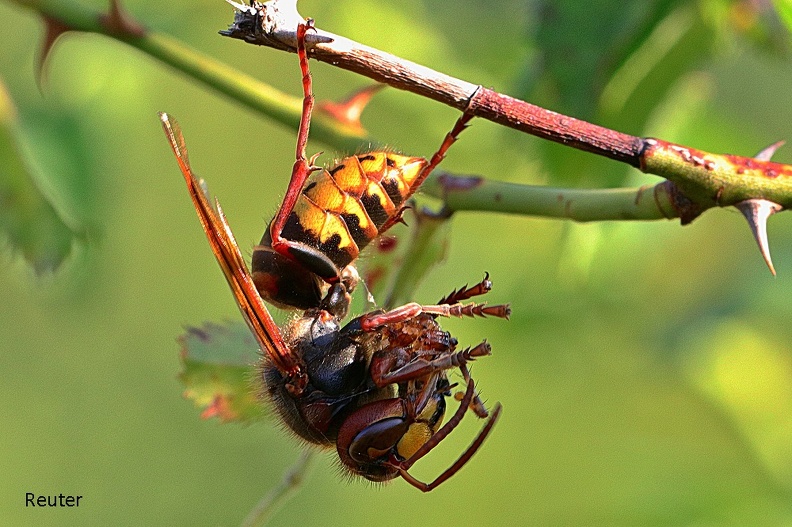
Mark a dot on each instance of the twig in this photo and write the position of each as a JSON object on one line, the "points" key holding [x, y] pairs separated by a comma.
{"points": [[275, 498], [266, 100], [701, 179], [274, 24]]}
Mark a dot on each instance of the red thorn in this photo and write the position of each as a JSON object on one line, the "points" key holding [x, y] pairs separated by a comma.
{"points": [[119, 22], [757, 211], [209, 412], [53, 29], [767, 153], [348, 111]]}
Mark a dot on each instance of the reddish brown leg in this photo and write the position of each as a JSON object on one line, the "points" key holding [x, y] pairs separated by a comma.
{"points": [[372, 321], [442, 434], [302, 166], [438, 156], [469, 310], [477, 405], [422, 367], [464, 293], [460, 295]]}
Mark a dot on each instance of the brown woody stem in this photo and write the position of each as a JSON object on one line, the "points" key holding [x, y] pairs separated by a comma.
{"points": [[274, 24], [657, 202], [700, 178]]}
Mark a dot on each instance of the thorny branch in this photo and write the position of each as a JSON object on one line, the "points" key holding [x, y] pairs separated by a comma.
{"points": [[332, 123], [696, 180], [700, 180], [274, 24]]}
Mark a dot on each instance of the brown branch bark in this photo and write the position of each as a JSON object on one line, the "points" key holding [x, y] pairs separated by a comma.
{"points": [[274, 24], [705, 179]]}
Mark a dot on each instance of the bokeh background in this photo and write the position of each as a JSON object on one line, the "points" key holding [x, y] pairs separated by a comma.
{"points": [[646, 374]]}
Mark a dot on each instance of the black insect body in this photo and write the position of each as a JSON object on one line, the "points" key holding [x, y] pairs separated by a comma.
{"points": [[375, 388]]}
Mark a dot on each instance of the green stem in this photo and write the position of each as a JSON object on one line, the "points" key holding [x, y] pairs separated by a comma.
{"points": [[579, 205], [256, 95], [465, 193], [275, 498], [719, 179]]}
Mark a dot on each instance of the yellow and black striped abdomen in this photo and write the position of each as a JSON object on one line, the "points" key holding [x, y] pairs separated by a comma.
{"points": [[342, 209]]}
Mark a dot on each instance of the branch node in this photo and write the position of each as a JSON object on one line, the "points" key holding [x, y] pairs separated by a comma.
{"points": [[685, 208], [457, 182], [272, 23]]}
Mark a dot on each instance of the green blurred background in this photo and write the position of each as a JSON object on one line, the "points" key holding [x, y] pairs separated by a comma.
{"points": [[646, 374]]}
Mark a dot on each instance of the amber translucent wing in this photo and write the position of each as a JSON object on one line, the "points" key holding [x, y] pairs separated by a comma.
{"points": [[226, 250]]}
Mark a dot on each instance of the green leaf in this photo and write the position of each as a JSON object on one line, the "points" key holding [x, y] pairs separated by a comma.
{"points": [[27, 215], [581, 45], [611, 64], [784, 8], [220, 371]]}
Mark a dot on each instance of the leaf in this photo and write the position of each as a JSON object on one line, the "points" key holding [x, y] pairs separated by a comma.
{"points": [[27, 215], [220, 371], [784, 8], [581, 45], [612, 62]]}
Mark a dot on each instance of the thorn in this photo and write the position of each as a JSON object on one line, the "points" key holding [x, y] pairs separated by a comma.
{"points": [[767, 153], [119, 22], [348, 111], [54, 29], [756, 211]]}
